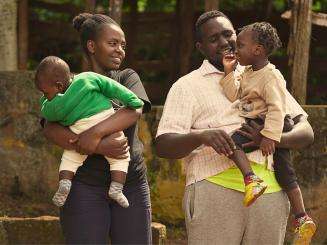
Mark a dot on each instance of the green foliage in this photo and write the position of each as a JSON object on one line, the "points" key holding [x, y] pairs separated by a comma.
{"points": [[47, 15], [319, 5], [156, 5], [279, 5]]}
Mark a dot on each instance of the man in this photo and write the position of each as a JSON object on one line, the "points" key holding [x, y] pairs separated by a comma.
{"points": [[197, 113]]}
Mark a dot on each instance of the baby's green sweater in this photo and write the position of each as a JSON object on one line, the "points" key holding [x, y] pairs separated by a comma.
{"points": [[88, 94]]}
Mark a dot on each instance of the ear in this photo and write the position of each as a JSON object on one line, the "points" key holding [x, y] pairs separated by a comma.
{"points": [[60, 86], [258, 50], [90, 44], [198, 46]]}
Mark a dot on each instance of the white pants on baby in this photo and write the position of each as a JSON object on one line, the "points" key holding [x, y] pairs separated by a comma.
{"points": [[71, 160]]}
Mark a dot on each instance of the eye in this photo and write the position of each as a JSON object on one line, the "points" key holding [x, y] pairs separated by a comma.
{"points": [[213, 39], [228, 34], [112, 43]]}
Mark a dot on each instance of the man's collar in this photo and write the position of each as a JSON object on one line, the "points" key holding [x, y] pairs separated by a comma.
{"points": [[207, 68]]}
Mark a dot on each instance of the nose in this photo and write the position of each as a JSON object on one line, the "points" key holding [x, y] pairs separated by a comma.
{"points": [[223, 41], [120, 49]]}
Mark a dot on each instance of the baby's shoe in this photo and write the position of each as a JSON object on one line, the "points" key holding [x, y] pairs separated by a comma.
{"points": [[305, 228], [116, 193], [254, 187], [61, 195]]}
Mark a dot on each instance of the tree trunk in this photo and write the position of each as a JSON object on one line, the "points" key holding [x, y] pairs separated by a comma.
{"points": [[269, 8], [8, 34], [186, 39], [211, 5], [132, 34], [22, 34], [90, 6], [299, 48], [115, 9]]}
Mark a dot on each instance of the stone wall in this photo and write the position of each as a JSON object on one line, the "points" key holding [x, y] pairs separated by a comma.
{"points": [[28, 177]]}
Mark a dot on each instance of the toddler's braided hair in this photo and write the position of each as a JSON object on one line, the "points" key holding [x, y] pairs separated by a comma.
{"points": [[266, 35]]}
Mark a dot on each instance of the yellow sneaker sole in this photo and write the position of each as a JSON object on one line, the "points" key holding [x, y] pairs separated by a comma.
{"points": [[307, 232], [255, 197]]}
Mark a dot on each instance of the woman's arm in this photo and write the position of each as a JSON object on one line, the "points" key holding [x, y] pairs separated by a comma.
{"points": [[87, 142], [299, 137], [63, 136], [108, 146], [59, 135]]}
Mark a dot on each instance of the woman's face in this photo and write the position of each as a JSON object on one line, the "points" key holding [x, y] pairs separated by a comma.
{"points": [[109, 47]]}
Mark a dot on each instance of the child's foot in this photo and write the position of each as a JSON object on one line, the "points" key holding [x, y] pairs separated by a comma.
{"points": [[61, 195], [116, 193], [254, 187], [305, 228]]}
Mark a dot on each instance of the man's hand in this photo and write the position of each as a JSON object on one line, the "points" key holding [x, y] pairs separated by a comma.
{"points": [[219, 140], [252, 132], [229, 62], [267, 146]]}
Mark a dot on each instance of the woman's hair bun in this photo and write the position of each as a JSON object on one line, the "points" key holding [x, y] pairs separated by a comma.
{"points": [[79, 20]]}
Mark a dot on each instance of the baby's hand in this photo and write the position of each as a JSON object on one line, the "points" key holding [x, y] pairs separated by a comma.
{"points": [[267, 146], [229, 62]]}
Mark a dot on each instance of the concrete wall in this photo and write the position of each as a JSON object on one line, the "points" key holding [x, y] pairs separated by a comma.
{"points": [[28, 175]]}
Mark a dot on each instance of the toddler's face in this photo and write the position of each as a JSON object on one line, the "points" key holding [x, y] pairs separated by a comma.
{"points": [[245, 48]]}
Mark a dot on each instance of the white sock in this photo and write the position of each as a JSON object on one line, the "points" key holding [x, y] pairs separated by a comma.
{"points": [[116, 193], [61, 195]]}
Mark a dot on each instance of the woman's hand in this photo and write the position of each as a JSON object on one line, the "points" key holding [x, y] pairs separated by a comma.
{"points": [[87, 141], [113, 146]]}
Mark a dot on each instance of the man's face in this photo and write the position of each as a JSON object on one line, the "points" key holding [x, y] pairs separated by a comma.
{"points": [[218, 38]]}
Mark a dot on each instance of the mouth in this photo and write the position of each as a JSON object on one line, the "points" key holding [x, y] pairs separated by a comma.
{"points": [[116, 60], [227, 50]]}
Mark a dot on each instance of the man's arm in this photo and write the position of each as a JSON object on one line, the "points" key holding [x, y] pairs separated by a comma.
{"points": [[175, 146], [299, 137]]}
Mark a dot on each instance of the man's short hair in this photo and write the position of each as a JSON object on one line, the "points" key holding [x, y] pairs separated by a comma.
{"points": [[203, 19]]}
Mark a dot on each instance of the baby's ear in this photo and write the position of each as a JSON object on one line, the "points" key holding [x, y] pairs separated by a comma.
{"points": [[60, 86], [258, 49]]}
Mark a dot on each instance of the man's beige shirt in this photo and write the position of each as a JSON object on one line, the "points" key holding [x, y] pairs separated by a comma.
{"points": [[196, 102]]}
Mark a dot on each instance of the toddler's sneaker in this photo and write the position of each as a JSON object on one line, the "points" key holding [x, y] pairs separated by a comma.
{"points": [[254, 187], [305, 228]]}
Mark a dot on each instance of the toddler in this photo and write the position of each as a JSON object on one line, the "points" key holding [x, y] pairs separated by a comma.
{"points": [[261, 91]]}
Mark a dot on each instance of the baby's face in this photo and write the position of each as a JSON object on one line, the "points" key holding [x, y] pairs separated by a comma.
{"points": [[48, 88], [245, 47]]}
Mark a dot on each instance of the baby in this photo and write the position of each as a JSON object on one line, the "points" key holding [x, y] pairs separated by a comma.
{"points": [[261, 91], [81, 102]]}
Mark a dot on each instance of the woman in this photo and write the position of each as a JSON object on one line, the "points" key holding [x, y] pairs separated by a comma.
{"points": [[88, 216]]}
